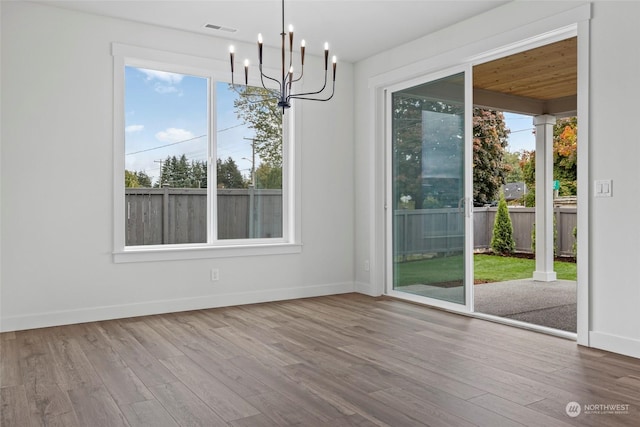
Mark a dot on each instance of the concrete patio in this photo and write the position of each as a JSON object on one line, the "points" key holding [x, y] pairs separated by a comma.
{"points": [[550, 304]]}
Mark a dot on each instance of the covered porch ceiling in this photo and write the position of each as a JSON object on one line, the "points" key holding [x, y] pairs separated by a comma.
{"points": [[537, 81]]}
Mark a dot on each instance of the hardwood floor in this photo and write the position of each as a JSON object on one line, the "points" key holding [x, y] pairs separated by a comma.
{"points": [[346, 360]]}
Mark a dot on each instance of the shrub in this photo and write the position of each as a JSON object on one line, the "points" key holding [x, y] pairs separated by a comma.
{"points": [[502, 239]]}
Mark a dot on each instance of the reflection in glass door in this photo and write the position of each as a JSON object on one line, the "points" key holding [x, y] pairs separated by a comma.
{"points": [[428, 190]]}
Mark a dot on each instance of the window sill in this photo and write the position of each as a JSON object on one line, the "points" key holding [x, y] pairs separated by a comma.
{"points": [[160, 253]]}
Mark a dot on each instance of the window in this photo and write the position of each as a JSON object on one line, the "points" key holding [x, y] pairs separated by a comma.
{"points": [[201, 167]]}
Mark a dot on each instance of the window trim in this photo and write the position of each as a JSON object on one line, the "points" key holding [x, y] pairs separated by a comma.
{"points": [[215, 71]]}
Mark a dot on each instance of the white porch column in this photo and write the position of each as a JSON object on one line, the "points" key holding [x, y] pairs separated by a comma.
{"points": [[544, 198]]}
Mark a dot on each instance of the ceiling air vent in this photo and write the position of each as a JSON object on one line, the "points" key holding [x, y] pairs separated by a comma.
{"points": [[220, 28]]}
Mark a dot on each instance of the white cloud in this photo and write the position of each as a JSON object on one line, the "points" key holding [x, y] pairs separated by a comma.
{"points": [[174, 135], [163, 76], [160, 88], [134, 128]]}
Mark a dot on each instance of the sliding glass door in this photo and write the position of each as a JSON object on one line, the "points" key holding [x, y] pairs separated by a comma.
{"points": [[429, 196]]}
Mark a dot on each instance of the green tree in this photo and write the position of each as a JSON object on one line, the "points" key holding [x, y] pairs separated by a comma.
{"points": [[182, 173], [489, 142], [565, 160], [528, 167], [512, 164], [167, 172], [136, 179], [407, 147], [198, 174], [268, 176], [490, 135], [258, 108], [502, 239], [565, 155], [229, 175], [144, 180], [180, 176], [131, 179]]}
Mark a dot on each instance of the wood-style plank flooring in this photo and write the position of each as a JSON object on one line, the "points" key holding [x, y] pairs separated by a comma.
{"points": [[346, 360]]}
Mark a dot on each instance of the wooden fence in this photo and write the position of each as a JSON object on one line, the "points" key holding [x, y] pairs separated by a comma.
{"points": [[442, 230], [179, 215]]}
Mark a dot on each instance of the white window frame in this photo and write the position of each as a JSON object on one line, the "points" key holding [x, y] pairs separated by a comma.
{"points": [[215, 71]]}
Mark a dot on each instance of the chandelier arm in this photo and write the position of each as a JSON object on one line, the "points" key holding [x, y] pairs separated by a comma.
{"points": [[301, 74], [263, 76], [315, 99], [324, 86]]}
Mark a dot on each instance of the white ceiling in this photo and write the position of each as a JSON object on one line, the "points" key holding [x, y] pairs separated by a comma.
{"points": [[355, 29]]}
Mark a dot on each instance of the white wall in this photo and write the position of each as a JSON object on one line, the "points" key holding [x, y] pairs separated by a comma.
{"points": [[614, 278], [57, 184], [614, 225]]}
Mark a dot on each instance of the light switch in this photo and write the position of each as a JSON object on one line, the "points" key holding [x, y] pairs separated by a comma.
{"points": [[603, 188]]}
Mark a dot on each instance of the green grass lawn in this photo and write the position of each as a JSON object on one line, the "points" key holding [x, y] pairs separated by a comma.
{"points": [[493, 268], [487, 268]]}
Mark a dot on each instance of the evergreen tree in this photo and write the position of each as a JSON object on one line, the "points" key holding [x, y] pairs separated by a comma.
{"points": [[136, 179], [144, 180], [181, 173], [198, 174], [228, 174], [502, 240]]}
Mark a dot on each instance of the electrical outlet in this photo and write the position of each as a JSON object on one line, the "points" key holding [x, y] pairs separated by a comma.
{"points": [[366, 265], [215, 274]]}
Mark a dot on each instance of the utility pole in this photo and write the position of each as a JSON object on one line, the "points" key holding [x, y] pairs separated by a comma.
{"points": [[252, 189], [159, 176], [253, 160]]}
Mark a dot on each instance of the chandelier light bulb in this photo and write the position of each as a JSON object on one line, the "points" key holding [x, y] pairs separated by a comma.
{"points": [[231, 56], [334, 60], [260, 48]]}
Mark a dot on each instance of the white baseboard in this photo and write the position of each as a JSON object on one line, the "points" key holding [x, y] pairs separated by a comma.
{"points": [[367, 289], [615, 343], [93, 314]]}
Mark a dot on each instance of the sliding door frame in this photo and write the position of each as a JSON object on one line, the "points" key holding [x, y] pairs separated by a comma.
{"points": [[467, 307]]}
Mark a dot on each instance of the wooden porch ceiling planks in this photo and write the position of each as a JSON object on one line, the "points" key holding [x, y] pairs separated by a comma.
{"points": [[543, 80]]}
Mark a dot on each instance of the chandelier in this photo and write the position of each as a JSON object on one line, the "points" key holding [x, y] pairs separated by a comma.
{"points": [[285, 93]]}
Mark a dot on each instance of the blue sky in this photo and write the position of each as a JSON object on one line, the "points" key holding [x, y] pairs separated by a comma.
{"points": [[166, 115], [521, 137]]}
